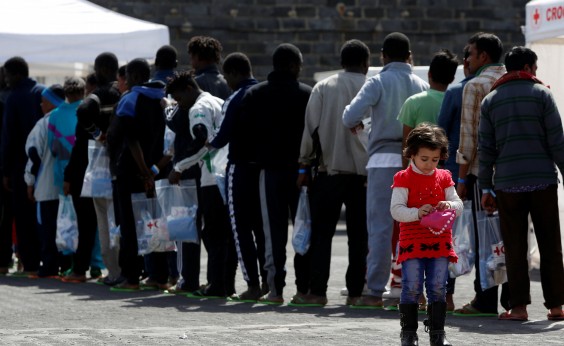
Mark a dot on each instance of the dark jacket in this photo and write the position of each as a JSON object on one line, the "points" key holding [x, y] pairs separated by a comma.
{"points": [[209, 79], [232, 130], [21, 111], [274, 111], [139, 117]]}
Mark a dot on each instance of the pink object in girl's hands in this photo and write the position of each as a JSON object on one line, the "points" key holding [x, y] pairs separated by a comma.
{"points": [[439, 221]]}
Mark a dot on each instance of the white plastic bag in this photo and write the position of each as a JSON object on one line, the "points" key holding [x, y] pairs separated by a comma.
{"points": [[150, 225], [180, 205], [463, 241], [67, 226], [301, 236], [97, 178], [492, 253]]}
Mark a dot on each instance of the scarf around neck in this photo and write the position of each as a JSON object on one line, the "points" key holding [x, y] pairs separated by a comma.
{"points": [[515, 75]]}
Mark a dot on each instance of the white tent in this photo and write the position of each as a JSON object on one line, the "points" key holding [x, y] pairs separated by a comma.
{"points": [[544, 33], [63, 37]]}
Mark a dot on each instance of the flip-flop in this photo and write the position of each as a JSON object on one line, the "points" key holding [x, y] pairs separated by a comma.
{"points": [[559, 317], [468, 310], [508, 316]]}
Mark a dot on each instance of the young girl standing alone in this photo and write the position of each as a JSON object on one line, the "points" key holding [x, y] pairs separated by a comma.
{"points": [[424, 253]]}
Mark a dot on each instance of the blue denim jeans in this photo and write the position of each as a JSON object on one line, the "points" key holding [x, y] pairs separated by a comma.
{"points": [[432, 271]]}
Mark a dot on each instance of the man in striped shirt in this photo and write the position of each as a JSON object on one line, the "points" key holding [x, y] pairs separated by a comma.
{"points": [[485, 51]]}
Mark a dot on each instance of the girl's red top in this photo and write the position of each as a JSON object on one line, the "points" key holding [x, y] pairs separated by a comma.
{"points": [[416, 241]]}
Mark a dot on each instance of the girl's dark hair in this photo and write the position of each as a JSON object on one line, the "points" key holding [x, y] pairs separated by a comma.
{"points": [[426, 135]]}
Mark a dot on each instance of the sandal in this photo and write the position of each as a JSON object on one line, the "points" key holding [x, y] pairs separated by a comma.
{"points": [[469, 310], [508, 316], [555, 317]]}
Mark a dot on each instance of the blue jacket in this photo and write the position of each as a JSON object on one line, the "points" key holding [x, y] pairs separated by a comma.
{"points": [[449, 120]]}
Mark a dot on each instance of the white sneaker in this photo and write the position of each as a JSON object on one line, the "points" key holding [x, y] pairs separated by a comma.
{"points": [[393, 293]]}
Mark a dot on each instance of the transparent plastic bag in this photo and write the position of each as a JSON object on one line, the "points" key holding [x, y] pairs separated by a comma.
{"points": [[150, 225], [67, 226], [113, 229], [463, 241], [180, 205], [492, 253], [301, 236], [97, 178], [219, 165]]}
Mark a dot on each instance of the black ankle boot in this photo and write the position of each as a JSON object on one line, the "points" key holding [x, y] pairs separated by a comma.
{"points": [[435, 324], [408, 322]]}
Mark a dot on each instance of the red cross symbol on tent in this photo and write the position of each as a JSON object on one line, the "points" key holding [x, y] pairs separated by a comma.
{"points": [[536, 16]]}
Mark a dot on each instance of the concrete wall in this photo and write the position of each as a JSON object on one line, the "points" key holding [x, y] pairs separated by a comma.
{"points": [[319, 27]]}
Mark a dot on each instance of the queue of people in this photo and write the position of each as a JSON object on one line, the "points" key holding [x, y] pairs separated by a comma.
{"points": [[393, 148]]}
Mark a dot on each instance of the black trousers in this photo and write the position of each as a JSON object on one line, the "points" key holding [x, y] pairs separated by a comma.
{"points": [[218, 240], [328, 194], [47, 230], [87, 226], [514, 209], [128, 252], [484, 300], [243, 202], [25, 214]]}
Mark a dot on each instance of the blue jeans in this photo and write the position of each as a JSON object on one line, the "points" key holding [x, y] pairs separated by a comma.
{"points": [[434, 271], [380, 228]]}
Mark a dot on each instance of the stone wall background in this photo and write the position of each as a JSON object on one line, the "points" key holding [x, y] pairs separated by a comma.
{"points": [[319, 27]]}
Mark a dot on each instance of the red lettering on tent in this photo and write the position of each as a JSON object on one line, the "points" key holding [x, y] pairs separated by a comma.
{"points": [[554, 13]]}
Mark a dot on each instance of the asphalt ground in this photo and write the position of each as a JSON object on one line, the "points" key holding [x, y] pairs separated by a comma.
{"points": [[51, 312]]}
